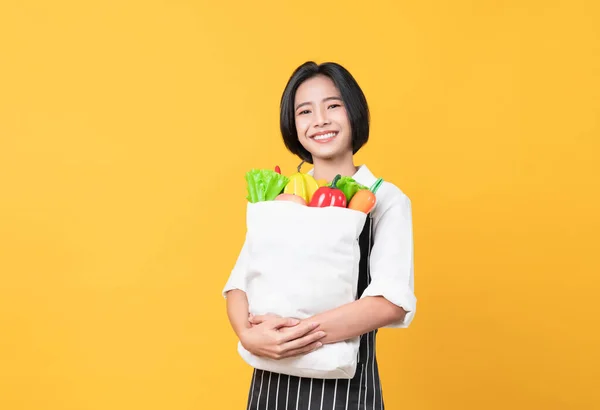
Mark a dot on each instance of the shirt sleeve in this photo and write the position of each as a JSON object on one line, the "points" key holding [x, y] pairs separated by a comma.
{"points": [[391, 260], [237, 277]]}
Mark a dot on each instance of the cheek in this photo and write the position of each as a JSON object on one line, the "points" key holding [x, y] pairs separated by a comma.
{"points": [[302, 124], [342, 119]]}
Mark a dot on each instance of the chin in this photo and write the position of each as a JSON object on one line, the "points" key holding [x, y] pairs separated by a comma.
{"points": [[326, 155]]}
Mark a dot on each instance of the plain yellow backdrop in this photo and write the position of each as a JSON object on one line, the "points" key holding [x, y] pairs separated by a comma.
{"points": [[125, 131]]}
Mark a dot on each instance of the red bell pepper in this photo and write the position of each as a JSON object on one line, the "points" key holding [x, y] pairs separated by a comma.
{"points": [[328, 196]]}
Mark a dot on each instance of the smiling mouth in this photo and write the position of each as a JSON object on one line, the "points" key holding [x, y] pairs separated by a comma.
{"points": [[324, 137]]}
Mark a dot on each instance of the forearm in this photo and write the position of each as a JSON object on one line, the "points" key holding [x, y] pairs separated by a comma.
{"points": [[357, 318], [237, 311]]}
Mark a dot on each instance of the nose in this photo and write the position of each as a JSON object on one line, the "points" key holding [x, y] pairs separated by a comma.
{"points": [[321, 118]]}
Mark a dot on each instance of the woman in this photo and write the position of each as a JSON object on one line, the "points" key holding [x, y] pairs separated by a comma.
{"points": [[325, 121]]}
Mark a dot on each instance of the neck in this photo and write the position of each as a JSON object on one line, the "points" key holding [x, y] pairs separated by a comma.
{"points": [[327, 169]]}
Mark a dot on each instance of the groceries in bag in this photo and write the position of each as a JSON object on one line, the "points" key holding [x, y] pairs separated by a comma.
{"points": [[267, 185]]}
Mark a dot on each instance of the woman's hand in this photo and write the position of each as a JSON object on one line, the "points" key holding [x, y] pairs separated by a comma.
{"points": [[257, 320], [278, 338]]}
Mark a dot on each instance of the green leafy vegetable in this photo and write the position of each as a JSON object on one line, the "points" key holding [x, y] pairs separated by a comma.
{"points": [[264, 184], [349, 187]]}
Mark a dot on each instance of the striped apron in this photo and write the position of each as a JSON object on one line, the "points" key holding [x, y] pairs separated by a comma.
{"points": [[274, 391]]}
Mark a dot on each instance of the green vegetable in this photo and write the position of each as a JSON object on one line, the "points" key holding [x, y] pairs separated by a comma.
{"points": [[349, 187], [264, 184]]}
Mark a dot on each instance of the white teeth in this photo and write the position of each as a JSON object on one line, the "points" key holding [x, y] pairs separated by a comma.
{"points": [[325, 136]]}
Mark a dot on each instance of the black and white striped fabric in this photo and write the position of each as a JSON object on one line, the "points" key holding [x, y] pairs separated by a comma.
{"points": [[273, 391]]}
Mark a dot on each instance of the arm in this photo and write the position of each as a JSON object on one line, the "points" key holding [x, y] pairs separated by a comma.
{"points": [[392, 260], [237, 311], [358, 318]]}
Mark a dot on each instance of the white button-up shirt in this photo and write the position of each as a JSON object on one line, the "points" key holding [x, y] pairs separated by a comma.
{"points": [[391, 261]]}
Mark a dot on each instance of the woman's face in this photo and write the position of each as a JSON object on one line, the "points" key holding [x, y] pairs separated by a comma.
{"points": [[321, 119]]}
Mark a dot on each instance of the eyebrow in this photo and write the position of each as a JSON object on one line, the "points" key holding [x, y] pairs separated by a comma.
{"points": [[324, 99]]}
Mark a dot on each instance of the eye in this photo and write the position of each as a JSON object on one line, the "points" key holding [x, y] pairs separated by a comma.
{"points": [[303, 112], [334, 106]]}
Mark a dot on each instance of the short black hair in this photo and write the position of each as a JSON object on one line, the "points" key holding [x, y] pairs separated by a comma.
{"points": [[352, 96]]}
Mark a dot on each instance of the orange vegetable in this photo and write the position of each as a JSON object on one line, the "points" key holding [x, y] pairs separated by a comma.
{"points": [[365, 199]]}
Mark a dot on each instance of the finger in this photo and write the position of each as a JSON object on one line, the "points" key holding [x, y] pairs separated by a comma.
{"points": [[303, 341], [284, 322], [298, 331], [303, 350]]}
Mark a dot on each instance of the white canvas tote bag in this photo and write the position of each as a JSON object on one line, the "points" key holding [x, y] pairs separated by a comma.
{"points": [[303, 261]]}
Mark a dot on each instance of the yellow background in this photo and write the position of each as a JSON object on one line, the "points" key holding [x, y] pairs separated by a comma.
{"points": [[122, 198]]}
